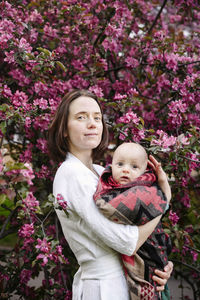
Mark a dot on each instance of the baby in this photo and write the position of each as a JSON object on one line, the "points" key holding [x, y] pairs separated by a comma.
{"points": [[129, 193], [130, 161]]}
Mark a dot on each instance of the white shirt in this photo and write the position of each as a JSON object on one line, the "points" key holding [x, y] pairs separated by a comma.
{"points": [[93, 238]]}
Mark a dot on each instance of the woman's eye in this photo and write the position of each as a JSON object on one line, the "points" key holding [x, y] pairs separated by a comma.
{"points": [[81, 117], [97, 118]]}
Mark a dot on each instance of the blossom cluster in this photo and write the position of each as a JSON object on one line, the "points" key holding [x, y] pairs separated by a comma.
{"points": [[142, 60]]}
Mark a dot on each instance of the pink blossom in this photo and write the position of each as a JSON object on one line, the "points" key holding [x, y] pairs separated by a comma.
{"points": [[42, 145], [4, 277], [44, 282], [40, 88], [49, 31], [163, 140], [19, 99], [137, 135], [131, 62], [26, 156], [122, 136], [186, 200], [182, 139], [28, 173], [111, 45], [4, 39], [53, 104], [176, 110], [160, 34], [77, 64], [25, 276], [18, 75], [51, 231], [96, 90], [6, 91], [26, 230], [42, 122], [24, 45], [173, 217], [189, 229], [194, 255], [44, 172], [176, 83], [27, 122], [61, 201], [163, 83], [9, 57], [120, 97], [197, 106], [172, 61], [30, 202], [149, 115], [42, 103], [43, 245], [36, 17], [44, 258], [129, 117], [33, 36], [133, 92], [28, 243], [7, 26], [68, 295]]}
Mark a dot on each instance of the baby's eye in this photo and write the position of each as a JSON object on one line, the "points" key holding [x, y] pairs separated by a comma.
{"points": [[134, 166], [120, 164]]}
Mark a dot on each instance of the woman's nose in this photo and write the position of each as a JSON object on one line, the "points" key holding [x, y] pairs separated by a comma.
{"points": [[91, 123]]}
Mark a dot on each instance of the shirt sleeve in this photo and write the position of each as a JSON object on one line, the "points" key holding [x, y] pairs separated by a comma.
{"points": [[78, 191]]}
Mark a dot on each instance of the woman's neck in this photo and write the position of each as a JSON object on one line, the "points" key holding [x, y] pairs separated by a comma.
{"points": [[85, 157]]}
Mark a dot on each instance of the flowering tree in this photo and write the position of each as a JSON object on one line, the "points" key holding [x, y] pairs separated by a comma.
{"points": [[142, 59]]}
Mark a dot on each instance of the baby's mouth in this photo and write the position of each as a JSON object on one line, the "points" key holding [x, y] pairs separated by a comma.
{"points": [[126, 178]]}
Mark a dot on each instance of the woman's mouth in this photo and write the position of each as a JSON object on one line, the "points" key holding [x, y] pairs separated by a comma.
{"points": [[91, 134]]}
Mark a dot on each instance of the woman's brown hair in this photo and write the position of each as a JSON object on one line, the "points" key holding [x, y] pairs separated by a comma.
{"points": [[57, 142]]}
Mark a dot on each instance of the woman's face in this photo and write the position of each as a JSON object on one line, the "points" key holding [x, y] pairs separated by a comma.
{"points": [[84, 130]]}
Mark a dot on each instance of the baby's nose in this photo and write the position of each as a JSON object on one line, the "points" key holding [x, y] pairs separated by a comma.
{"points": [[125, 170]]}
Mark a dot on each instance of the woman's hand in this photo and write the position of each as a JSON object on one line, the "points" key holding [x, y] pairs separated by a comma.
{"points": [[161, 277]]}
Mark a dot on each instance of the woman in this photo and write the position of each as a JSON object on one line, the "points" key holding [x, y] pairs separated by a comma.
{"points": [[78, 135]]}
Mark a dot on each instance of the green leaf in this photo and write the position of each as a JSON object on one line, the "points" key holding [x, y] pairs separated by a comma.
{"points": [[3, 127], [45, 51], [3, 198], [61, 66]]}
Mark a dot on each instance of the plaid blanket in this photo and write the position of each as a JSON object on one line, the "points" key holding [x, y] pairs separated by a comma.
{"points": [[137, 203]]}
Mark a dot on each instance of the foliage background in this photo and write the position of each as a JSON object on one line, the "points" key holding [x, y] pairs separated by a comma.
{"points": [[142, 58]]}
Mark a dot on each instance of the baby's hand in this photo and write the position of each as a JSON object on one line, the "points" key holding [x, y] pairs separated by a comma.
{"points": [[162, 176], [156, 166]]}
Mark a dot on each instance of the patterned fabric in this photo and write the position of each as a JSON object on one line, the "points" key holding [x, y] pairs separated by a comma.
{"points": [[137, 203]]}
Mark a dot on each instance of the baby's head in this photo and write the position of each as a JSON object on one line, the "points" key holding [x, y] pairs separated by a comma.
{"points": [[129, 162]]}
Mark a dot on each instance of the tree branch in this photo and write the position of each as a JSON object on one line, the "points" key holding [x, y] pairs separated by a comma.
{"points": [[157, 17], [2, 232], [186, 265], [189, 63]]}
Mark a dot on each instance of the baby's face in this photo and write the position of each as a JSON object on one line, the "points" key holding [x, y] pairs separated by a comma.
{"points": [[128, 163]]}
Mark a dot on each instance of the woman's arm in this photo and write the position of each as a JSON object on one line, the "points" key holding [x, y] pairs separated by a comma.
{"points": [[145, 231], [78, 188]]}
